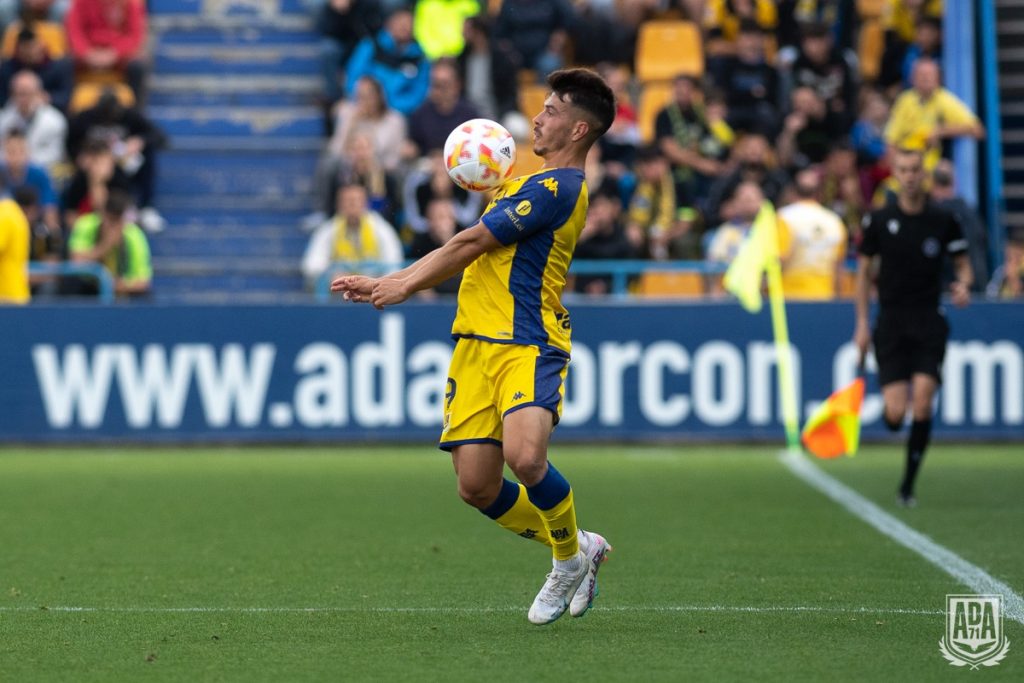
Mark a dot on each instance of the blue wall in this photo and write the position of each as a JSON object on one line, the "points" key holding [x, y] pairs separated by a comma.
{"points": [[345, 372]]}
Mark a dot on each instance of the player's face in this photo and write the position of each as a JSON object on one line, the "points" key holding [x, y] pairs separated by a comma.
{"points": [[553, 127]]}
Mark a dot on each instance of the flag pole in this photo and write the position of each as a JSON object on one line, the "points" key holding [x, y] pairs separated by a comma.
{"points": [[780, 332]]}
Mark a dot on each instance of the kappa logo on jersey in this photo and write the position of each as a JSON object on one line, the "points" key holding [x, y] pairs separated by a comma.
{"points": [[518, 396], [529, 533], [551, 184], [524, 207], [894, 226]]}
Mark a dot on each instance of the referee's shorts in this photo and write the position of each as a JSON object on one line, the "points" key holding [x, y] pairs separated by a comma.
{"points": [[909, 342]]}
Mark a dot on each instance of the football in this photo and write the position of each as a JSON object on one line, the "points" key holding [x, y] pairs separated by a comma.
{"points": [[479, 155]]}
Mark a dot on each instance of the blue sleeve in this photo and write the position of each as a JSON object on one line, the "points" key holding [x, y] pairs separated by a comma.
{"points": [[544, 202], [408, 94], [358, 64], [38, 178]]}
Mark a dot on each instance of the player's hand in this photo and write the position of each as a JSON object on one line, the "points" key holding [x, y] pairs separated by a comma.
{"points": [[961, 294], [356, 288], [388, 292]]}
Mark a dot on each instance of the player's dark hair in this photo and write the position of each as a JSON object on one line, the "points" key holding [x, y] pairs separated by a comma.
{"points": [[586, 90]]}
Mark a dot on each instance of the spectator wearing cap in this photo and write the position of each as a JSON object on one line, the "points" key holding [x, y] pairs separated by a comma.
{"points": [[443, 110], [394, 58], [44, 127]]}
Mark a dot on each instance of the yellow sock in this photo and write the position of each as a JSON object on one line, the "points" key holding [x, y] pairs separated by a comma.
{"points": [[513, 511], [524, 519], [552, 497]]}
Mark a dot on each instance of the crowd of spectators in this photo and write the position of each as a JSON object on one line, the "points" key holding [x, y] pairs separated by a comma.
{"points": [[79, 154], [786, 108]]}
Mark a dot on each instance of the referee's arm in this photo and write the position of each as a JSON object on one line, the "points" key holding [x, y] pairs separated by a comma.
{"points": [[861, 295], [960, 290]]}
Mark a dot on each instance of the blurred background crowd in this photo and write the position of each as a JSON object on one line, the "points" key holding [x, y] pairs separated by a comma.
{"points": [[721, 105]]}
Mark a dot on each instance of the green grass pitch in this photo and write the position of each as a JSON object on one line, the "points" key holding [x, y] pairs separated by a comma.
{"points": [[199, 564]]}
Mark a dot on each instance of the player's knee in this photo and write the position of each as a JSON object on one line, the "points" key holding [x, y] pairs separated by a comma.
{"points": [[528, 468], [477, 495], [893, 424]]}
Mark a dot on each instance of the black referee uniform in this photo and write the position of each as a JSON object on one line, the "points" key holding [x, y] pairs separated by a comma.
{"points": [[911, 331]]}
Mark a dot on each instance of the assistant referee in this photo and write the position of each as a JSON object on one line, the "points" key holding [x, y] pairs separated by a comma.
{"points": [[908, 241]]}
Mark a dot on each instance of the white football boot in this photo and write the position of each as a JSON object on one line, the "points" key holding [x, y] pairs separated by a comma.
{"points": [[559, 588], [596, 548]]}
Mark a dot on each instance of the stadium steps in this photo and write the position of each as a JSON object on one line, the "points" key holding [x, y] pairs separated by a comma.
{"points": [[1010, 33], [235, 87]]}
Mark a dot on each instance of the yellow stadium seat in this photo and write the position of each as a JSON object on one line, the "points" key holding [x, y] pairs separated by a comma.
{"points": [[86, 95], [665, 284], [872, 45], [531, 99], [870, 9], [526, 161], [653, 98], [665, 49], [49, 33]]}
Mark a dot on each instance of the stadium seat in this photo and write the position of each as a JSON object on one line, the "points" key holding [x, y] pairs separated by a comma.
{"points": [[870, 9], [86, 95], [531, 99], [664, 284], [49, 33], [653, 98], [665, 49], [869, 52]]}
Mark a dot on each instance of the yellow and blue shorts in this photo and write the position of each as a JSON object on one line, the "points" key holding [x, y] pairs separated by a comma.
{"points": [[487, 381]]}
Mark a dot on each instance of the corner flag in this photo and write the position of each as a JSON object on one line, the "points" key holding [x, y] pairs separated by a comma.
{"points": [[759, 256], [834, 427]]}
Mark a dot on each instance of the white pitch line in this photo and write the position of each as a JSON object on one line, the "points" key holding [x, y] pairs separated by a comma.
{"points": [[960, 569], [476, 610]]}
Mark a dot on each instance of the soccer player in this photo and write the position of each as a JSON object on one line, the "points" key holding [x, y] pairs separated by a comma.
{"points": [[909, 238], [505, 384]]}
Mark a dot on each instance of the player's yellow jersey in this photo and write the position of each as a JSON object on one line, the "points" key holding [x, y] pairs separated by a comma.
{"points": [[14, 251], [512, 295]]}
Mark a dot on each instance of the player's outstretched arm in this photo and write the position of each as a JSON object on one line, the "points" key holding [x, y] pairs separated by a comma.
{"points": [[435, 268], [355, 288]]}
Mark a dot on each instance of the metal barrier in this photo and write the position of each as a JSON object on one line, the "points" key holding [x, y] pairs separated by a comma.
{"points": [[94, 270], [619, 270]]}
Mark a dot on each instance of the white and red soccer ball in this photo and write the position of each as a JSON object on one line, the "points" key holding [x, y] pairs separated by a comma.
{"points": [[479, 155]]}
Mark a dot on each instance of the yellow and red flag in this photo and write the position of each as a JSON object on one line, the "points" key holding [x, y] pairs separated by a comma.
{"points": [[834, 428]]}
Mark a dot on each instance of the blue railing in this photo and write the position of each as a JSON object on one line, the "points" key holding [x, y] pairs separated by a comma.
{"points": [[994, 202], [69, 268], [620, 271]]}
